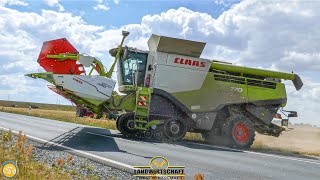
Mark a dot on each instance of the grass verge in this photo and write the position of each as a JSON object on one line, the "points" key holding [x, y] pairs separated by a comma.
{"points": [[27, 167]]}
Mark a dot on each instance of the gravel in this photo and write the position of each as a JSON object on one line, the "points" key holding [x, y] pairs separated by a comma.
{"points": [[78, 166]]}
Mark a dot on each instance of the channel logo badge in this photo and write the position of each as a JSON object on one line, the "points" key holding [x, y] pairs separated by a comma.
{"points": [[159, 167], [9, 169]]}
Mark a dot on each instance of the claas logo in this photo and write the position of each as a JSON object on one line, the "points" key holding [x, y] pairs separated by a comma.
{"points": [[189, 62]]}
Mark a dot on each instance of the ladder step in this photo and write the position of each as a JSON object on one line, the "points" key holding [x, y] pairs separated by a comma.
{"points": [[141, 121], [142, 114], [140, 128], [143, 107]]}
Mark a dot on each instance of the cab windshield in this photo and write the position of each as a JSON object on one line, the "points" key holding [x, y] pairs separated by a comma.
{"points": [[133, 68]]}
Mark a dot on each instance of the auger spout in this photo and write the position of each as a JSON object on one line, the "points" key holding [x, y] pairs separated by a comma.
{"points": [[259, 72]]}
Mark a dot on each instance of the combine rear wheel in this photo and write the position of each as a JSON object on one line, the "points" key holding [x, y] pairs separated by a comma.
{"points": [[240, 131], [126, 125], [174, 129]]}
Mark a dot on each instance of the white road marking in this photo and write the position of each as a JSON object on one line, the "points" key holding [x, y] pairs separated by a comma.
{"points": [[258, 153], [109, 162]]}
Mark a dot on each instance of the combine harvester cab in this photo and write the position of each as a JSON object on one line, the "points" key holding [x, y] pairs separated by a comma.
{"points": [[169, 91]]}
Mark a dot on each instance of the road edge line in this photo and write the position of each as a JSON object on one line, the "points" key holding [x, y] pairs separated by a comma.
{"points": [[109, 162], [259, 153]]}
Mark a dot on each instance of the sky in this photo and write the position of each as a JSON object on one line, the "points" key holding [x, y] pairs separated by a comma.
{"points": [[280, 35]]}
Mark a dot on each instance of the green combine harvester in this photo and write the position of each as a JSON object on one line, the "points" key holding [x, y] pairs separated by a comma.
{"points": [[169, 90]]}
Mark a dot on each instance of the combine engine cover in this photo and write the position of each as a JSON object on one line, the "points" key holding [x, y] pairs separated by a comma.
{"points": [[91, 87]]}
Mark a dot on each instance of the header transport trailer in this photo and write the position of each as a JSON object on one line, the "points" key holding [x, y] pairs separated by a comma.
{"points": [[169, 90]]}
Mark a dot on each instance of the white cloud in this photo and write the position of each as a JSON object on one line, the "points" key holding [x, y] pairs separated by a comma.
{"points": [[302, 61], [13, 3], [55, 3], [224, 3], [116, 1], [272, 35], [21, 37], [101, 6]]}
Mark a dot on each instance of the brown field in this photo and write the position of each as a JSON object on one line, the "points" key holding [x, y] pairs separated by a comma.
{"points": [[298, 139]]}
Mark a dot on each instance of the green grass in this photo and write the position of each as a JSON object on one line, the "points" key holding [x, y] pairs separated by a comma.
{"points": [[40, 105]]}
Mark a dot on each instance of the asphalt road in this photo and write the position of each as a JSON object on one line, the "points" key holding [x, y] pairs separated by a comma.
{"points": [[213, 162]]}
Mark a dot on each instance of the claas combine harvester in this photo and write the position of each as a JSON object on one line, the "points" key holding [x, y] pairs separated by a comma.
{"points": [[169, 90]]}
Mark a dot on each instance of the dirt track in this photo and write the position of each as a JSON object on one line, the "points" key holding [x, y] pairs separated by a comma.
{"points": [[302, 138]]}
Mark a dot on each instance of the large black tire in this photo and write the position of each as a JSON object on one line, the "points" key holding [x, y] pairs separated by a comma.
{"points": [[174, 129], [124, 126], [240, 132]]}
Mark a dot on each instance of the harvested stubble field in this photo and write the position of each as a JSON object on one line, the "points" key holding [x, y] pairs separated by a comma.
{"points": [[298, 139]]}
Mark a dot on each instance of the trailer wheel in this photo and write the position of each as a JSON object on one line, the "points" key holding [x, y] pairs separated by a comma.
{"points": [[125, 125], [175, 129], [240, 131]]}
